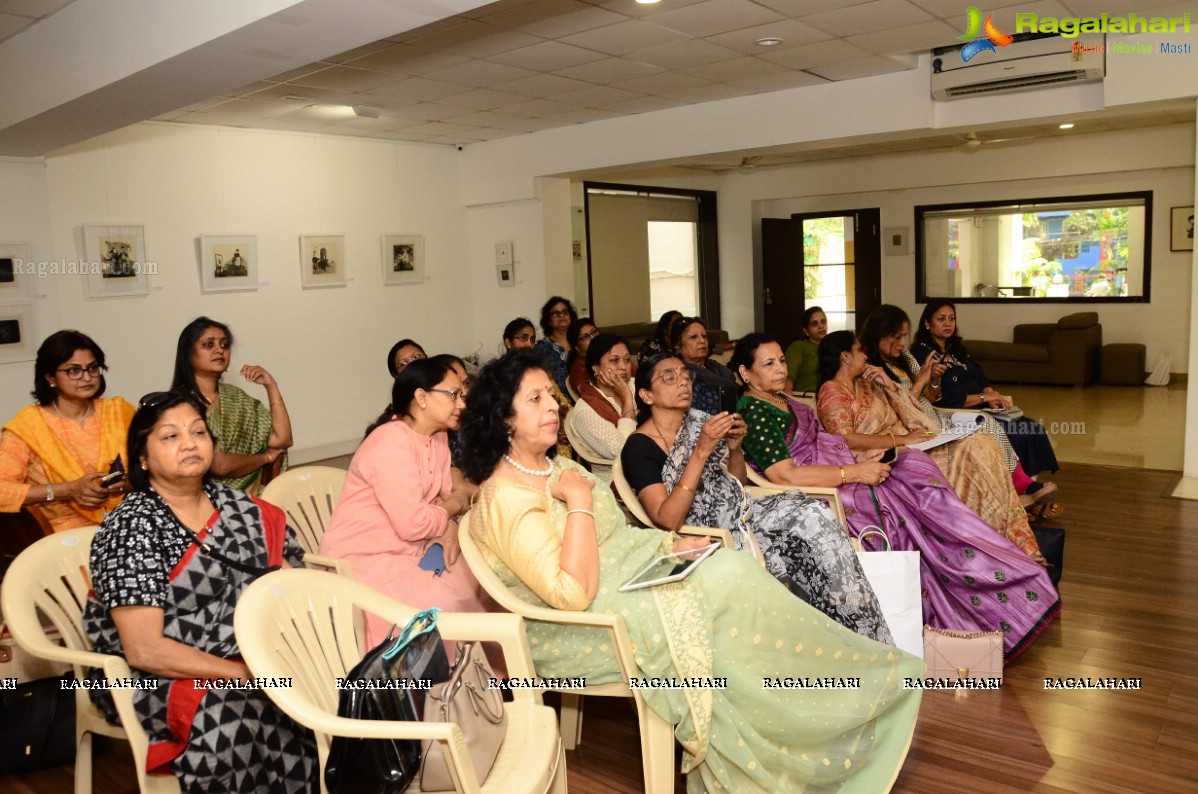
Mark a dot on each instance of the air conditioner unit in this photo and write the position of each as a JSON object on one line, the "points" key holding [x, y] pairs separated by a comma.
{"points": [[1022, 65]]}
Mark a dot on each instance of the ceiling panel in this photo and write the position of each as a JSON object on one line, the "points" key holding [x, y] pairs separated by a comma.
{"points": [[715, 16], [868, 17], [547, 56], [684, 54], [625, 37]]}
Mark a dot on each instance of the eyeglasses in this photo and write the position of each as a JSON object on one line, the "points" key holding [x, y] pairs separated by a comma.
{"points": [[76, 373], [525, 337], [223, 343], [155, 399], [670, 376], [454, 394], [402, 364], [560, 313], [588, 336]]}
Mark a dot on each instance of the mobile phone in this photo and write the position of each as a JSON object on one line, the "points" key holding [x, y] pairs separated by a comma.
{"points": [[433, 559], [890, 455], [111, 478], [729, 396]]}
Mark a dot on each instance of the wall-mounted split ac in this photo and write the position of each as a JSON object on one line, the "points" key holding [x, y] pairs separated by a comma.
{"points": [[1022, 65]]}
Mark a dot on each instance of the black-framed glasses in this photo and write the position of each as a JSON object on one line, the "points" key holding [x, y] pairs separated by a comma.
{"points": [[670, 376], [560, 313], [155, 399], [454, 394], [76, 373], [589, 335], [525, 337]]}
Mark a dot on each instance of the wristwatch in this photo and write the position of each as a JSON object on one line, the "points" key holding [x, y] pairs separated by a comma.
{"points": [[982, 397], [49, 492]]}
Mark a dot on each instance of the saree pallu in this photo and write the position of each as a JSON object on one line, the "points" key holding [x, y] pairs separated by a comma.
{"points": [[973, 465], [241, 425], [800, 539], [972, 578]]}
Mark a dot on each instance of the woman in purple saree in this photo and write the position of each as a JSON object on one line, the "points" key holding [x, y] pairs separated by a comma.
{"points": [[973, 579]]}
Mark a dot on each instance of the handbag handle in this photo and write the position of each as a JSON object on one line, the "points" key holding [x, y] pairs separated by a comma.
{"points": [[861, 536], [475, 690], [420, 624]]}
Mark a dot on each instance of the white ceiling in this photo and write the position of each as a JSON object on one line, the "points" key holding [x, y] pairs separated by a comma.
{"points": [[519, 66], [16, 15]]}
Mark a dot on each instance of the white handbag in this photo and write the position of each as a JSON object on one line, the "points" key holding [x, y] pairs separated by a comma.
{"points": [[894, 576]]}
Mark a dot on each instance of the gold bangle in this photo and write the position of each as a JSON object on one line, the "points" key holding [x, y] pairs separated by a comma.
{"points": [[273, 403], [686, 488], [893, 443], [842, 479]]}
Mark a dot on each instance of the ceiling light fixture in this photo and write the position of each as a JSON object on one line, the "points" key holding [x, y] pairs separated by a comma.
{"points": [[769, 41], [647, 2], [368, 111], [1066, 127]]}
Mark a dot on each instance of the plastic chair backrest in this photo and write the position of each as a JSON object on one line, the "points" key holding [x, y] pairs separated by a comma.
{"points": [[580, 445], [308, 496], [628, 495]]}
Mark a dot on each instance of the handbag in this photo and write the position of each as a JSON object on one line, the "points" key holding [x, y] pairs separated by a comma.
{"points": [[894, 577], [386, 766], [468, 700], [962, 654], [37, 725], [1051, 541]]}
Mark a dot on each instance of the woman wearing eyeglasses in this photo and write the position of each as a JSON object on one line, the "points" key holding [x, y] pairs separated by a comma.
{"points": [[579, 335], [689, 337], [397, 520], [554, 347], [402, 353], [249, 435], [54, 454]]}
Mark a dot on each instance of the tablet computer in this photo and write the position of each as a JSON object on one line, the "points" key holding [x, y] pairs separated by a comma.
{"points": [[669, 568]]}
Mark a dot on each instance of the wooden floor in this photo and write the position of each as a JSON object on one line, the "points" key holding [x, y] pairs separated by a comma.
{"points": [[1130, 592]]}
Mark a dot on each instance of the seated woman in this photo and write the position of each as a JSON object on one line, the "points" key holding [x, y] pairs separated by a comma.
{"points": [[690, 343], [54, 454], [454, 436], [973, 579], [802, 357], [660, 341], [519, 334], [884, 341], [964, 385], [400, 500], [167, 568], [875, 414], [249, 435], [554, 347], [557, 541], [579, 334], [605, 414], [676, 463], [402, 353]]}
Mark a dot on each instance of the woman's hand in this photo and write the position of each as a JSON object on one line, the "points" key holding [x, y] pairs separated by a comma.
{"points": [[450, 546], [994, 399], [914, 437], [692, 543], [714, 429], [256, 374], [573, 489], [868, 473], [736, 433], [88, 492], [623, 395], [878, 378]]}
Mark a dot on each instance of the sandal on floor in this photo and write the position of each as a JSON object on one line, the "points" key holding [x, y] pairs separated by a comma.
{"points": [[1038, 493], [1045, 511]]}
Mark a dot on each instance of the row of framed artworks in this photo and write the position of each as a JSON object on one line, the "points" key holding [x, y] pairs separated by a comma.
{"points": [[17, 335], [115, 263]]}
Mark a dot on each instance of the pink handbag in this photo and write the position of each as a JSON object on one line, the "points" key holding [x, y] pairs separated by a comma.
{"points": [[962, 654]]}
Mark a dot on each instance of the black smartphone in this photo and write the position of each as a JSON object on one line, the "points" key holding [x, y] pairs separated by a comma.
{"points": [[729, 397], [890, 455], [116, 473]]}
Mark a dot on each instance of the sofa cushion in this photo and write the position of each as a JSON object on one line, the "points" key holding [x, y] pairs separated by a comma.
{"points": [[1008, 351], [1077, 320]]}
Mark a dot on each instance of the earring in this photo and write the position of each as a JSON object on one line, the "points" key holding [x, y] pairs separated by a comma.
{"points": [[144, 467], [423, 406]]}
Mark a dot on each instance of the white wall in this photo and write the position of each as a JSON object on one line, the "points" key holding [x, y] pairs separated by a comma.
{"points": [[1160, 159], [326, 347]]}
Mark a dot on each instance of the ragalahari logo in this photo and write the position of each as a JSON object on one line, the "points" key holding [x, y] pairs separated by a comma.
{"points": [[993, 36]]}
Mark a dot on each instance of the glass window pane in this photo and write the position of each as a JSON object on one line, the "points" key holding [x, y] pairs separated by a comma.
{"points": [[673, 267]]}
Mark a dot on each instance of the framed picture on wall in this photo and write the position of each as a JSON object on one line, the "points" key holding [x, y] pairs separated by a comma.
{"points": [[18, 340], [403, 259], [116, 261], [16, 275], [1181, 230], [322, 261], [228, 263]]}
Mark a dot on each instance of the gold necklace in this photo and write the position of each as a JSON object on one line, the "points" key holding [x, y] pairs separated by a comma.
{"points": [[90, 405], [668, 445], [773, 399]]}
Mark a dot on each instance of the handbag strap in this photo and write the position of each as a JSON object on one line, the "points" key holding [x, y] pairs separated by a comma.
{"points": [[420, 624], [875, 531], [478, 700]]}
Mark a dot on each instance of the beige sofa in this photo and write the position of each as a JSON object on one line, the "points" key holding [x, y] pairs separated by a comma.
{"points": [[1062, 353]]}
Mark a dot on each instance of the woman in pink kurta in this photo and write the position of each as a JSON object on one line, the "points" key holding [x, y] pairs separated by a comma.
{"points": [[401, 498]]}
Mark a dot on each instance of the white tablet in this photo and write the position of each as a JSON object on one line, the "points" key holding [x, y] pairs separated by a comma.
{"points": [[669, 568]]}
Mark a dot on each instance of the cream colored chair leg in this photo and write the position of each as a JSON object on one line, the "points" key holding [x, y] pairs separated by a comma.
{"points": [[558, 786], [83, 761], [571, 720], [657, 750]]}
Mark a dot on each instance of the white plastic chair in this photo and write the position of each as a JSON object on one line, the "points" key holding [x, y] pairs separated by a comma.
{"points": [[657, 735], [299, 624], [585, 450], [51, 577], [830, 496], [308, 495]]}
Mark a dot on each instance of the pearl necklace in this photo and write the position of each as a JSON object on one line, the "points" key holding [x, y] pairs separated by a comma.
{"points": [[534, 472]]}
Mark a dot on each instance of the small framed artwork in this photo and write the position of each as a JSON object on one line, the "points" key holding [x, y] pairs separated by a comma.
{"points": [[403, 259], [896, 241], [1181, 230], [16, 273], [116, 261], [322, 261], [17, 337], [228, 263]]}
